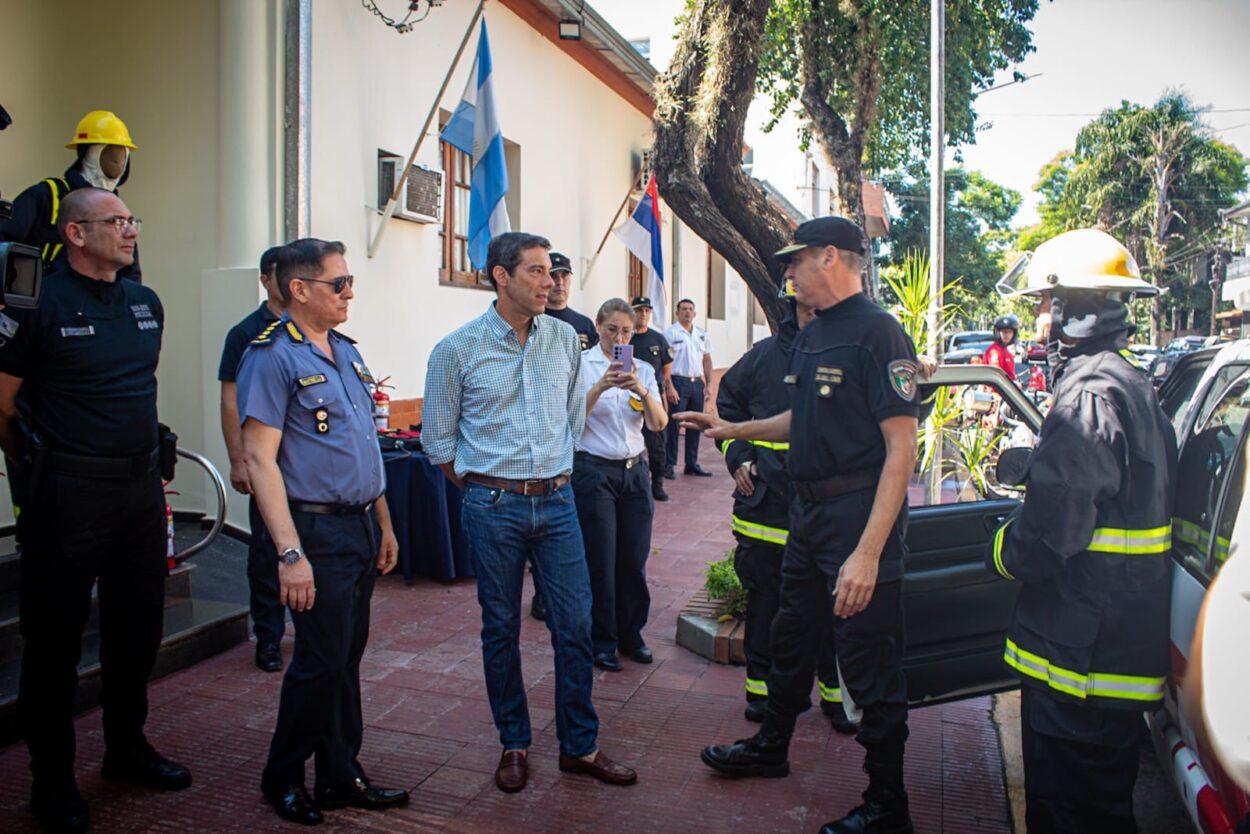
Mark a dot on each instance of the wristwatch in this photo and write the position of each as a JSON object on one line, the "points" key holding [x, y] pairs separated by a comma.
{"points": [[291, 555]]}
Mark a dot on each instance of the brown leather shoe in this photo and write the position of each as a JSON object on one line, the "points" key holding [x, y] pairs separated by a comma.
{"points": [[601, 767], [512, 772]]}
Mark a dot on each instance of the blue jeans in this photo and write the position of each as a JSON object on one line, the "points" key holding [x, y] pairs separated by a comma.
{"points": [[504, 530]]}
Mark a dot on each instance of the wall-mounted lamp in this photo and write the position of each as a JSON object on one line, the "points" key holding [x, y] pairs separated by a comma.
{"points": [[570, 30]]}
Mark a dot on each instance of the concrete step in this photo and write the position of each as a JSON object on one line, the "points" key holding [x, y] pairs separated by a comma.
{"points": [[194, 630]]}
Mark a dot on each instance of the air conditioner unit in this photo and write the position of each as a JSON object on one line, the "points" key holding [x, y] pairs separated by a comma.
{"points": [[422, 198]]}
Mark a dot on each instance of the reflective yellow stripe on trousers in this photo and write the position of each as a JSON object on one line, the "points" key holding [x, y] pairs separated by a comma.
{"points": [[756, 687], [772, 535], [1093, 685], [832, 694], [1131, 542]]}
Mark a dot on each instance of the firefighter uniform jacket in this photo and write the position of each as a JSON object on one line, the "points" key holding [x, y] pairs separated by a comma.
{"points": [[753, 389], [33, 223], [1091, 542]]}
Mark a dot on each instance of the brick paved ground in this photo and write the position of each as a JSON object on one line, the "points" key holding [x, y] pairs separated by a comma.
{"points": [[429, 729]]}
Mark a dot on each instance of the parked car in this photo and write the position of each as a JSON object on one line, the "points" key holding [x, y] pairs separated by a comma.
{"points": [[1146, 354], [1168, 358], [963, 346]]}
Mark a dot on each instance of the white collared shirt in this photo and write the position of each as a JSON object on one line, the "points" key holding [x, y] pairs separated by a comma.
{"points": [[688, 349], [613, 427]]}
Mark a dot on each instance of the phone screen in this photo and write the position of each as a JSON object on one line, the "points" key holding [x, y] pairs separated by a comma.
{"points": [[625, 355]]}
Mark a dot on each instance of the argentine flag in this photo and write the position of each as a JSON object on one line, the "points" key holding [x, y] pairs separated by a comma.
{"points": [[641, 236], [474, 129]]}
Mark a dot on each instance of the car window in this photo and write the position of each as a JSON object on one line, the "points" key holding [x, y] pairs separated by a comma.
{"points": [[1205, 463], [967, 428], [1180, 393], [1233, 494]]}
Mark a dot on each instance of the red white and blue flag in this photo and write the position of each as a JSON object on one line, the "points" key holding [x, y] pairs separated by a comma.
{"points": [[641, 236]]}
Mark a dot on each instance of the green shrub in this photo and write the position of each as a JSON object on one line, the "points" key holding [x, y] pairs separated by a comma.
{"points": [[722, 584]]}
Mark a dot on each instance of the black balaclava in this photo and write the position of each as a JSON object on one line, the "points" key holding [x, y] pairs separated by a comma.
{"points": [[1084, 316]]}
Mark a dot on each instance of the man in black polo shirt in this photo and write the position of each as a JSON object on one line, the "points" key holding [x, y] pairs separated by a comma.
{"points": [[268, 615], [852, 431], [558, 302], [651, 347], [86, 360]]}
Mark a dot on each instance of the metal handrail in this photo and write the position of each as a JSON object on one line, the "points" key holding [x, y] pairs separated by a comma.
{"points": [[219, 487]]}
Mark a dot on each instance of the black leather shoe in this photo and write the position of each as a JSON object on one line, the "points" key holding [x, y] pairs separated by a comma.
{"points": [[268, 656], [294, 805], [63, 813], [359, 793], [836, 714], [698, 470], [144, 766], [756, 710], [537, 610], [642, 654], [657, 491], [873, 817], [609, 661], [669, 474], [754, 756]]}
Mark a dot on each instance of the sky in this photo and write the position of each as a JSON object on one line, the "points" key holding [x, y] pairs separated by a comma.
{"points": [[1091, 55]]}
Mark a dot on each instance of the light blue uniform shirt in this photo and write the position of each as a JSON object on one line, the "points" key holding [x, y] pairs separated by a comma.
{"points": [[329, 452], [614, 427], [501, 409]]}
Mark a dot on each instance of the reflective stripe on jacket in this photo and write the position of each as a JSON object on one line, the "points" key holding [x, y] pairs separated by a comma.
{"points": [[1092, 542]]}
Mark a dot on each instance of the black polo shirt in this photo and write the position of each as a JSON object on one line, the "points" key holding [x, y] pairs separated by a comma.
{"points": [[651, 347], [587, 336], [239, 337], [852, 367], [87, 357]]}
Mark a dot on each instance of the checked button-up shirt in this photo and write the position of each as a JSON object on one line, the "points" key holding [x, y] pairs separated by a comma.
{"points": [[502, 409]]}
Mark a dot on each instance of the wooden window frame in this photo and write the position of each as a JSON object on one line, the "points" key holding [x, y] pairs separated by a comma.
{"points": [[455, 164]]}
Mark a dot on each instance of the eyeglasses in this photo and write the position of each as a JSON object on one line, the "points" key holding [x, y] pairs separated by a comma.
{"points": [[119, 223], [338, 284]]}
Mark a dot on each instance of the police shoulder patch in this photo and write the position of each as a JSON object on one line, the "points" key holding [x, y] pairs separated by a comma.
{"points": [[902, 375]]}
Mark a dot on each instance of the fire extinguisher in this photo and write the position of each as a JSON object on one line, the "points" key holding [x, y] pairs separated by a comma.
{"points": [[381, 405], [169, 531]]}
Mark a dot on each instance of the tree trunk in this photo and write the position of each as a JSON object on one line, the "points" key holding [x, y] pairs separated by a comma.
{"points": [[700, 121]]}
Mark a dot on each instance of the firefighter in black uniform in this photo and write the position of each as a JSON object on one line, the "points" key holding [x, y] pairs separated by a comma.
{"points": [[1090, 545], [85, 361], [754, 388], [103, 144], [852, 429]]}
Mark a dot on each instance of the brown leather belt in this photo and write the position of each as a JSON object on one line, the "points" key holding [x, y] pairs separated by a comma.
{"points": [[533, 486], [837, 486]]}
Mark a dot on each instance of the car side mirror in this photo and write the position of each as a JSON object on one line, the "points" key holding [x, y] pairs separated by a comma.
{"points": [[1013, 466]]}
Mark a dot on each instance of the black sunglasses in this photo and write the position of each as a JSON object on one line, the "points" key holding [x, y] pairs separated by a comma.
{"points": [[338, 284]]}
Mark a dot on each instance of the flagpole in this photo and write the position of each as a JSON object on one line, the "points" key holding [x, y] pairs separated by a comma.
{"points": [[389, 212], [632, 188]]}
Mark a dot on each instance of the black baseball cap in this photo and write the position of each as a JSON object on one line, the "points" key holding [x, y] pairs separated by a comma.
{"points": [[825, 231], [640, 301], [560, 263]]}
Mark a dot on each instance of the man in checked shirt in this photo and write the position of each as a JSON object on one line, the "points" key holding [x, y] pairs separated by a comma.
{"points": [[502, 408]]}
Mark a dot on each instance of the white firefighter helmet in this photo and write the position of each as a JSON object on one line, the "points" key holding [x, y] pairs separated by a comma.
{"points": [[1084, 259]]}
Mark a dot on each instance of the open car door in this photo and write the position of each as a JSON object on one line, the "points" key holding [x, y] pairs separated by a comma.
{"points": [[956, 611]]}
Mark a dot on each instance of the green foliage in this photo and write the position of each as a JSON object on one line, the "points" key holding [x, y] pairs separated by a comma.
{"points": [[722, 584], [978, 233], [911, 288], [982, 37]]}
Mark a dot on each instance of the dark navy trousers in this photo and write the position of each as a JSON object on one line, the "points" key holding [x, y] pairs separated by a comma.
{"points": [[268, 615], [319, 710]]}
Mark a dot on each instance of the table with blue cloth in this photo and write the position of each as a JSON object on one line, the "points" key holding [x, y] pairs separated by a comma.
{"points": [[425, 512]]}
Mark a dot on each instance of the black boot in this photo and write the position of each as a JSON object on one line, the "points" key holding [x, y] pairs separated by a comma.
{"points": [[759, 755], [60, 809], [875, 816], [657, 489], [756, 710], [836, 714]]}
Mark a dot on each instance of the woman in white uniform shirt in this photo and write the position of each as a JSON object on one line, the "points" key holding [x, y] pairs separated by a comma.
{"points": [[613, 488]]}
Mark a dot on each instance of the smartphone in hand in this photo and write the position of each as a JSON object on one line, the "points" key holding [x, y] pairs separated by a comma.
{"points": [[625, 355]]}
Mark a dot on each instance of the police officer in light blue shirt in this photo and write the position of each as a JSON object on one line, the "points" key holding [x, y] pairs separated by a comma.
{"points": [[316, 469]]}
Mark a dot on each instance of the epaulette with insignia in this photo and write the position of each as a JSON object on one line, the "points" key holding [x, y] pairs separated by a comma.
{"points": [[344, 337], [266, 336]]}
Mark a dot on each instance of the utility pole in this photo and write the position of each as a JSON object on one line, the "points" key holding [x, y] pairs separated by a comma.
{"points": [[937, 171]]}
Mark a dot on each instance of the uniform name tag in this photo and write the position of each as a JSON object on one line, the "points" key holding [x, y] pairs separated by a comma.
{"points": [[141, 311], [827, 374], [89, 330], [304, 382]]}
